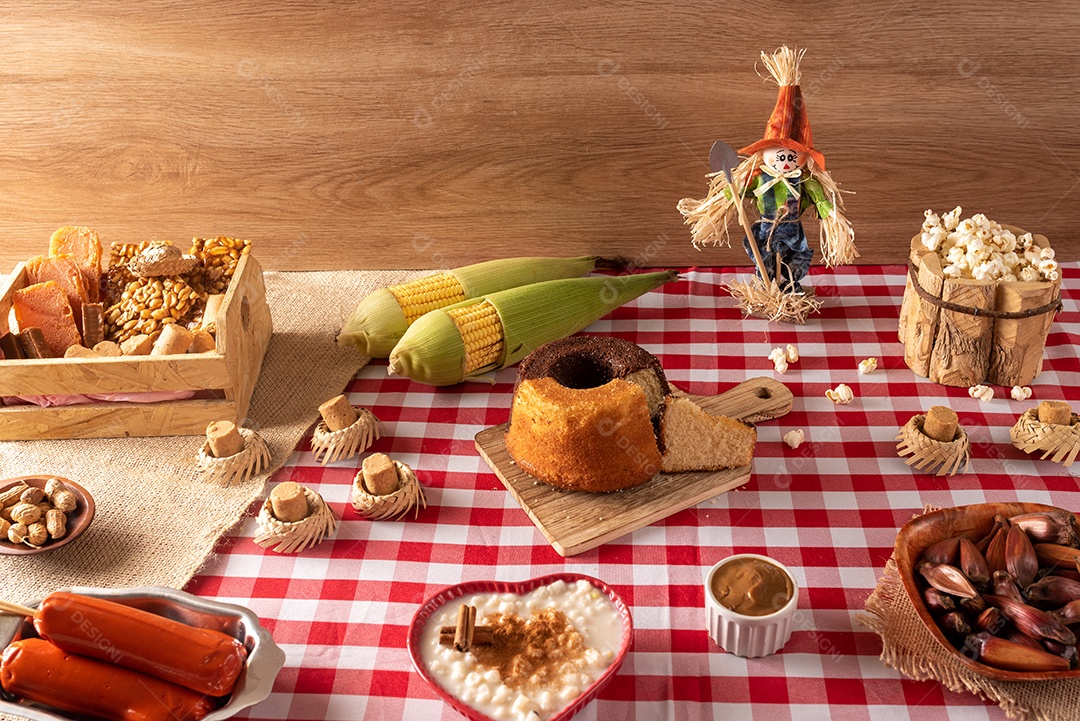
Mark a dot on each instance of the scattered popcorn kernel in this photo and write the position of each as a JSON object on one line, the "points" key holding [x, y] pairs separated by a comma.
{"points": [[1020, 393], [841, 395], [867, 366], [983, 393], [795, 438], [779, 359]]}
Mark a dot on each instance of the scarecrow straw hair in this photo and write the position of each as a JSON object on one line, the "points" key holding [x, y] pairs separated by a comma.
{"points": [[783, 65]]}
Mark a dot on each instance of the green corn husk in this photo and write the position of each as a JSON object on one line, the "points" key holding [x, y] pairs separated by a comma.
{"points": [[378, 322], [432, 350]]}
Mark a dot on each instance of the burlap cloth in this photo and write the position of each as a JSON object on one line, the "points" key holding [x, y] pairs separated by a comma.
{"points": [[156, 522], [909, 647]]}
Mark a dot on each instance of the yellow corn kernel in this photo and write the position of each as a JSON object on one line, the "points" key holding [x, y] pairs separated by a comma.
{"points": [[426, 294], [482, 331]]}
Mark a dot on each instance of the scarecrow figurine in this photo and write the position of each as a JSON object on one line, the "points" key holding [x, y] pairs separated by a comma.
{"points": [[784, 175]]}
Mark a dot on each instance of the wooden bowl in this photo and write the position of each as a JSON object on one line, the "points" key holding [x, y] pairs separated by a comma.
{"points": [[77, 521], [975, 522]]}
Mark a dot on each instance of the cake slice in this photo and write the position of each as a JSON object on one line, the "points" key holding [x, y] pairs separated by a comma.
{"points": [[45, 306], [693, 440]]}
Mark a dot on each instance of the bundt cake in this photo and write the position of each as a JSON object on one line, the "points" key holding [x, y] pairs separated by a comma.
{"points": [[693, 440], [582, 415], [597, 414]]}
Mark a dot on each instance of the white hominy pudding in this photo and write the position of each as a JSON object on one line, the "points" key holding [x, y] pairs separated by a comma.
{"points": [[588, 634]]}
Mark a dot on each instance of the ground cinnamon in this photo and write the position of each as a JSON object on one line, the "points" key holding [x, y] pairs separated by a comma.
{"points": [[531, 653]]}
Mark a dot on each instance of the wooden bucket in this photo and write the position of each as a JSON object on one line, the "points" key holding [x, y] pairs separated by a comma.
{"points": [[962, 332]]}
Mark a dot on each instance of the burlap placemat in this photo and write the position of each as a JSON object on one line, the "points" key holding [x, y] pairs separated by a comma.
{"points": [[909, 647], [156, 521]]}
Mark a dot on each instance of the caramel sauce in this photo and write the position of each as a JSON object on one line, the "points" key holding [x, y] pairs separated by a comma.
{"points": [[752, 587]]}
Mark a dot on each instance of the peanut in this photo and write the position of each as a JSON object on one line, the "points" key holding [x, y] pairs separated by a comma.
{"points": [[53, 485], [56, 523], [64, 500], [5, 514], [4, 526], [12, 495], [25, 513], [17, 532], [32, 495], [44, 507], [36, 534]]}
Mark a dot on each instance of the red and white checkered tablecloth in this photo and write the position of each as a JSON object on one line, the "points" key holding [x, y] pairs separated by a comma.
{"points": [[829, 510]]}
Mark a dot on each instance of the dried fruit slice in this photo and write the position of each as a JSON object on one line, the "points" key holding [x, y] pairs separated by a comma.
{"points": [[45, 306], [66, 273], [82, 243]]}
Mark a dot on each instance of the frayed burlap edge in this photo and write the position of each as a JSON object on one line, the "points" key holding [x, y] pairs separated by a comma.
{"points": [[908, 646]]}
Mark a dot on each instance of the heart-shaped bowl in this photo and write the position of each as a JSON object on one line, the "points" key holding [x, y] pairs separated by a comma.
{"points": [[451, 593], [974, 522]]}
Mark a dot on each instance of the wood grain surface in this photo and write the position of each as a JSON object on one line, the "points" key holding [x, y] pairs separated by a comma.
{"points": [[574, 521], [420, 134]]}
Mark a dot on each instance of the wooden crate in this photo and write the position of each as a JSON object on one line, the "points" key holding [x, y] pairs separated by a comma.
{"points": [[244, 329], [958, 349]]}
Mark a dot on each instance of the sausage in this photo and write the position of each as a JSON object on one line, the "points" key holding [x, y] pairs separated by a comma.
{"points": [[36, 670], [196, 658]]}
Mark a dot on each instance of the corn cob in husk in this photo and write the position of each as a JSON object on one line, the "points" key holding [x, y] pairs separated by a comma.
{"points": [[382, 317], [477, 336]]}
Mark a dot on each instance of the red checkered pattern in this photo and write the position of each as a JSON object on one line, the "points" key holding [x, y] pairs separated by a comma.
{"points": [[828, 510]]}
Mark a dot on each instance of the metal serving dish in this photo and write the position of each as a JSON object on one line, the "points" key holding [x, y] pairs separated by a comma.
{"points": [[264, 659]]}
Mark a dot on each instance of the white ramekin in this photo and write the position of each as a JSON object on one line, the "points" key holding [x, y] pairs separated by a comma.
{"points": [[749, 636]]}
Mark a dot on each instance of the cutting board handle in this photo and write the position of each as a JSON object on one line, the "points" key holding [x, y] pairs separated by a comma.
{"points": [[754, 400]]}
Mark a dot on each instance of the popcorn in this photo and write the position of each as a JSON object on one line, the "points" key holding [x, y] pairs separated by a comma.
{"points": [[951, 219], [867, 366], [981, 249], [794, 438], [779, 359], [1020, 393], [983, 393], [841, 395]]}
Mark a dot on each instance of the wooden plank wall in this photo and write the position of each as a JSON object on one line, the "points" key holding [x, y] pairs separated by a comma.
{"points": [[430, 134]]}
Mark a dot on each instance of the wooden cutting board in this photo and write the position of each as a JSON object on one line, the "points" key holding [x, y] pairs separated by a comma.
{"points": [[575, 521]]}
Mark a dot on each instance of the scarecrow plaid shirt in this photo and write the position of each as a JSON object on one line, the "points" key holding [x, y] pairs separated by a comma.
{"points": [[777, 195]]}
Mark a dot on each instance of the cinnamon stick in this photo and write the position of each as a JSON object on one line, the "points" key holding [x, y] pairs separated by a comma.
{"points": [[482, 635], [465, 630]]}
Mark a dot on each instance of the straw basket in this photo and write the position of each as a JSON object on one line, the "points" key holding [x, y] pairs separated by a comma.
{"points": [[962, 332]]}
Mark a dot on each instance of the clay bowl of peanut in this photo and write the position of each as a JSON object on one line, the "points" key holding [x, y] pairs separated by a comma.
{"points": [[998, 586], [42, 513]]}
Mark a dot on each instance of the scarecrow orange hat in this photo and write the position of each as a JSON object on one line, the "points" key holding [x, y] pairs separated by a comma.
{"points": [[788, 126]]}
